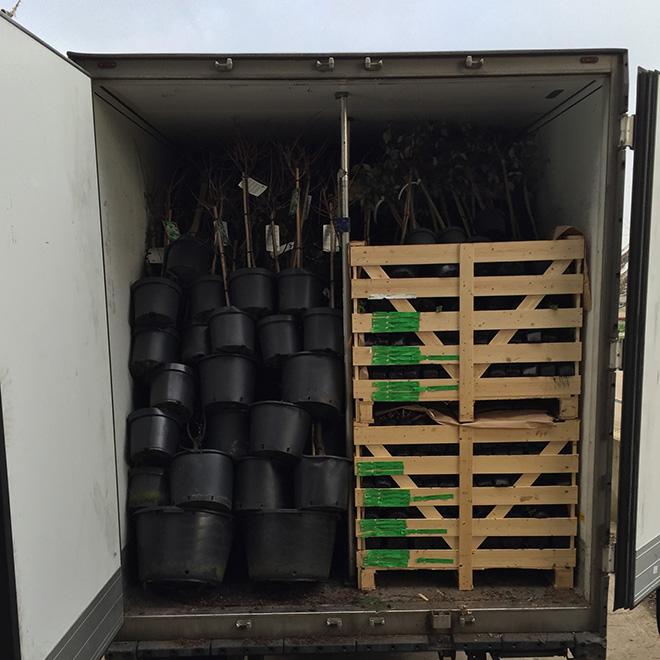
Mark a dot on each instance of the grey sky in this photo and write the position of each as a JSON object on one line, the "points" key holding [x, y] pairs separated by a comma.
{"points": [[332, 26]]}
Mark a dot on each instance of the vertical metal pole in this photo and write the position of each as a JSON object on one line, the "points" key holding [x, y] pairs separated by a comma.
{"points": [[348, 309]]}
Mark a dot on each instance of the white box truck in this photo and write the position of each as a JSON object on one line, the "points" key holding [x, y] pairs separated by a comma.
{"points": [[79, 136]]}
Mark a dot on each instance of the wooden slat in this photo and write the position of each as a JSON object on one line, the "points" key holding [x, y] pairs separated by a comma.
{"points": [[396, 255], [524, 558], [483, 559], [485, 496], [486, 389], [465, 472], [439, 287], [427, 528], [487, 320], [430, 465], [526, 388], [466, 390], [446, 433], [520, 353]]}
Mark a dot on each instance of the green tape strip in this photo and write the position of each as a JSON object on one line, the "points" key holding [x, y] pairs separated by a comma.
{"points": [[390, 528], [379, 468], [384, 355], [387, 558], [394, 321], [404, 390], [426, 498], [434, 560], [294, 201], [398, 497], [172, 230]]}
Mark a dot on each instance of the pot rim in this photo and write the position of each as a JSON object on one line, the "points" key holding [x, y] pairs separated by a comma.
{"points": [[276, 318], [175, 366], [187, 452], [232, 309], [298, 272], [156, 279], [250, 270], [147, 328], [227, 355], [151, 411], [326, 311]]}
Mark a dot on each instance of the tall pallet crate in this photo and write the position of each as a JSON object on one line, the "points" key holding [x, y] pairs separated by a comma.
{"points": [[441, 496]]}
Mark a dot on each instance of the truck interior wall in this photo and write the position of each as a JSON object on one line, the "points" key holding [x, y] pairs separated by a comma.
{"points": [[131, 159], [54, 351], [573, 146], [576, 148]]}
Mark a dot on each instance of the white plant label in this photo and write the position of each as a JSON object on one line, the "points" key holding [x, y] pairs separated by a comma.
{"points": [[269, 239], [224, 231], [254, 187], [327, 239]]}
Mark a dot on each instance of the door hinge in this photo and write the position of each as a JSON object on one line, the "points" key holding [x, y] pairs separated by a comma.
{"points": [[627, 132], [609, 554], [616, 354], [327, 65], [227, 65]]}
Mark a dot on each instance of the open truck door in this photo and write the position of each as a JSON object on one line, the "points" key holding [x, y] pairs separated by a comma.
{"points": [[60, 564], [637, 562]]}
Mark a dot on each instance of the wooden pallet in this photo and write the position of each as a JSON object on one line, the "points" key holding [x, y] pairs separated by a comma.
{"points": [[451, 527], [465, 363], [442, 531]]}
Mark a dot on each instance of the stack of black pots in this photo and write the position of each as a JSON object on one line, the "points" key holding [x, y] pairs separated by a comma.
{"points": [[287, 499], [180, 495], [238, 393]]}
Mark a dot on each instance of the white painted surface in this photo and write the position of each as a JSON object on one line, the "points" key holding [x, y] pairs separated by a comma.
{"points": [[54, 370], [648, 503], [127, 153]]}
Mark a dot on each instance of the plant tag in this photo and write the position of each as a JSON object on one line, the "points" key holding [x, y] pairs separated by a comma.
{"points": [[155, 255], [286, 247], [269, 239], [294, 201], [307, 207], [172, 230], [327, 239], [254, 187]]}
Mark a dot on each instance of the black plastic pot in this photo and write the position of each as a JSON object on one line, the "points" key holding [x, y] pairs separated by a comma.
{"points": [[452, 234], [315, 382], [173, 388], [262, 484], [178, 545], [253, 289], [491, 223], [147, 486], [203, 479], [419, 236], [298, 290], [323, 331], [187, 258], [279, 337], [155, 302], [151, 349], [227, 380], [278, 429], [196, 342], [153, 436], [227, 431], [289, 545], [323, 482], [232, 331], [205, 294]]}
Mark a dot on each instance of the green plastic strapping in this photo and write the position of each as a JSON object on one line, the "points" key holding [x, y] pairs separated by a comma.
{"points": [[434, 560], [394, 321], [391, 528], [379, 468], [172, 230], [404, 390], [386, 497], [426, 498], [384, 355], [387, 558], [398, 497]]}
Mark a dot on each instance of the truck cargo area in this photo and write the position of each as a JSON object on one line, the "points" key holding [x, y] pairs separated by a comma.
{"points": [[149, 110]]}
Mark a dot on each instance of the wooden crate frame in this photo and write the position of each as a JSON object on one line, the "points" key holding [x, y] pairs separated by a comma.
{"points": [[466, 362], [465, 534]]}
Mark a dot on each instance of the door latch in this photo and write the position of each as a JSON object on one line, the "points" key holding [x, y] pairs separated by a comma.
{"points": [[474, 62], [466, 617], [372, 65], [227, 65], [328, 65]]}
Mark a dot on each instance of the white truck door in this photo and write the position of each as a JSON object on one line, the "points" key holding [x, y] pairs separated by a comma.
{"points": [[637, 561], [60, 550]]}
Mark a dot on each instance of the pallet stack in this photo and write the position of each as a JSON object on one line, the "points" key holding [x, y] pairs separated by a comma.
{"points": [[505, 328]]}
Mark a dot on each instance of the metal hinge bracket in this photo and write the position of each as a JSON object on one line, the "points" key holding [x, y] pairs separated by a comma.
{"points": [[227, 65], [474, 62], [328, 65], [372, 65], [616, 354], [627, 132]]}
